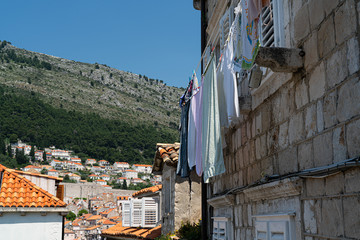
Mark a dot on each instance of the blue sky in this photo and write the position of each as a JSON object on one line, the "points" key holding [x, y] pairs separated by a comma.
{"points": [[156, 38]]}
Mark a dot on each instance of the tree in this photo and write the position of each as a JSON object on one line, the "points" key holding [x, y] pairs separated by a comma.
{"points": [[2, 146], [66, 178], [9, 151], [124, 184], [32, 153], [44, 156], [20, 157], [71, 216], [81, 212], [44, 171]]}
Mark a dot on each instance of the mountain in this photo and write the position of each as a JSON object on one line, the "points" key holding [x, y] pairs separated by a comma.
{"points": [[93, 109], [85, 87]]}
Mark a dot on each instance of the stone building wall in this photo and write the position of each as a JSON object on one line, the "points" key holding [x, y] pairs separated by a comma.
{"points": [[299, 121]]}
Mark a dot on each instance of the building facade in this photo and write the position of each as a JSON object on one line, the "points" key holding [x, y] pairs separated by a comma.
{"points": [[289, 158]]}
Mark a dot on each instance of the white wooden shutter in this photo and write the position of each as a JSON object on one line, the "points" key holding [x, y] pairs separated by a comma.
{"points": [[272, 25], [136, 212], [220, 228], [275, 227], [224, 29], [126, 213], [150, 212]]}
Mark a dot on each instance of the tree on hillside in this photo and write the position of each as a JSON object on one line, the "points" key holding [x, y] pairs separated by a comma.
{"points": [[9, 152], [2, 145], [124, 185], [32, 153], [44, 156], [20, 157], [81, 212], [44, 171]]}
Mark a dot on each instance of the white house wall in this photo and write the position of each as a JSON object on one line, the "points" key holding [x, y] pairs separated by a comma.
{"points": [[32, 226]]}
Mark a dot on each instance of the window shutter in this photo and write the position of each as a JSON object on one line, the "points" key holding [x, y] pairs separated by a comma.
{"points": [[224, 29], [150, 212], [136, 212], [126, 213], [272, 25], [220, 229], [206, 57]]}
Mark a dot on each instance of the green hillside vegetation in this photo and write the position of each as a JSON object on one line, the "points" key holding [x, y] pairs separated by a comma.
{"points": [[27, 117], [96, 88]]}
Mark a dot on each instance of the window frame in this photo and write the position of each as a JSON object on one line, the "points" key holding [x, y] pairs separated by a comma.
{"points": [[283, 223], [220, 223]]}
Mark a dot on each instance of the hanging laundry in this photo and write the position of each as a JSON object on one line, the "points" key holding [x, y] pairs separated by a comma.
{"points": [[183, 166], [212, 154], [197, 101], [255, 7], [237, 40], [229, 81], [191, 143], [249, 36]]}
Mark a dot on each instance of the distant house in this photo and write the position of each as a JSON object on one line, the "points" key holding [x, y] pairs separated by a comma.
{"points": [[97, 170], [60, 154], [69, 234], [75, 177], [28, 211], [39, 155], [31, 167], [103, 163], [121, 166], [79, 166], [90, 161], [136, 181], [120, 180], [53, 173], [93, 232], [77, 160], [142, 168], [107, 186], [93, 176], [105, 177], [57, 164], [101, 182], [130, 174]]}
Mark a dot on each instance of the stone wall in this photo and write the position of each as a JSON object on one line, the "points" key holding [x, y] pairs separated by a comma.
{"points": [[185, 199], [303, 120]]}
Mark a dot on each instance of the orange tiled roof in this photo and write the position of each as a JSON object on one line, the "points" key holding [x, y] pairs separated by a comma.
{"points": [[94, 217], [86, 216], [121, 163], [68, 231], [166, 153], [92, 228], [138, 233], [149, 189], [142, 165], [108, 222], [129, 170], [100, 180], [17, 191], [35, 174], [108, 211]]}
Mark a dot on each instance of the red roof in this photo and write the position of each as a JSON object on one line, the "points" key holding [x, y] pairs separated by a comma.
{"points": [[138, 233], [142, 165], [149, 189], [17, 191], [129, 170]]}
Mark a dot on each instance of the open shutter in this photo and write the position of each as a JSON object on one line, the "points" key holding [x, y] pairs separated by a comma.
{"points": [[206, 57], [224, 28], [126, 213], [272, 25], [150, 212], [136, 212]]}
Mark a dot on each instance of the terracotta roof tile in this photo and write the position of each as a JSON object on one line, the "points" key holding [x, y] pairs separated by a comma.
{"points": [[166, 153], [94, 217], [92, 228], [122, 197], [146, 190], [138, 233], [17, 191]]}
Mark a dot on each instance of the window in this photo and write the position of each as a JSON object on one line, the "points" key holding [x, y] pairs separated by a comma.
{"points": [[224, 28], [220, 228], [272, 25], [275, 227], [140, 212]]}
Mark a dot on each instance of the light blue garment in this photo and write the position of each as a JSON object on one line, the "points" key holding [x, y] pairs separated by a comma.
{"points": [[212, 154], [192, 124]]}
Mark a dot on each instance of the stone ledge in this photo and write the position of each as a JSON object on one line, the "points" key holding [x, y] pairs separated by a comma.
{"points": [[279, 189], [222, 201]]}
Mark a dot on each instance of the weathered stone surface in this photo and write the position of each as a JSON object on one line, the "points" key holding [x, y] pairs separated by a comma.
{"points": [[296, 128], [238, 216], [345, 21], [267, 167], [331, 218], [352, 217], [258, 123], [305, 155], [310, 120], [284, 135], [311, 50], [348, 100], [326, 37], [353, 55], [316, 13], [288, 160], [319, 116], [317, 82], [336, 68], [352, 178], [309, 216], [323, 149], [353, 138], [330, 109], [301, 24], [330, 5], [339, 145], [334, 184], [301, 94], [315, 187]]}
